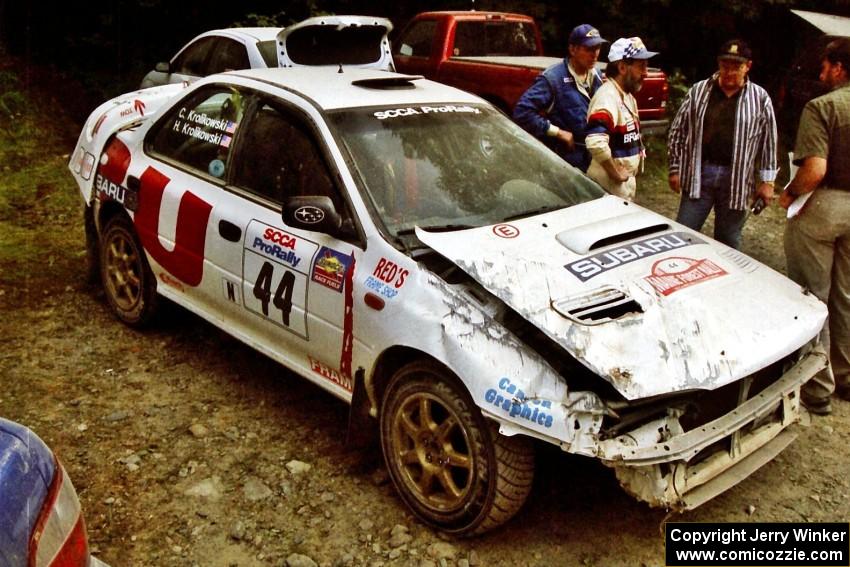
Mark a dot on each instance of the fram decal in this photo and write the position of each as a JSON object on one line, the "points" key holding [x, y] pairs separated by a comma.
{"points": [[329, 373], [672, 274], [330, 267], [592, 266], [511, 400]]}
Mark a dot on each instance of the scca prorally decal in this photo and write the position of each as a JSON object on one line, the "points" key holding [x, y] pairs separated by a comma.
{"points": [[279, 245], [416, 110], [592, 266], [512, 401], [672, 274], [330, 267], [275, 270]]}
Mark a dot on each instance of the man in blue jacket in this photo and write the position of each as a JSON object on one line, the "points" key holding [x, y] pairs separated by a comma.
{"points": [[554, 108]]}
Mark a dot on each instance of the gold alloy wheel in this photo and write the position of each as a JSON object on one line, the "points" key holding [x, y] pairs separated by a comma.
{"points": [[123, 271], [432, 452]]}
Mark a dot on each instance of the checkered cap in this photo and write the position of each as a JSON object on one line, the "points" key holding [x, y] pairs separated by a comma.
{"points": [[629, 48]]}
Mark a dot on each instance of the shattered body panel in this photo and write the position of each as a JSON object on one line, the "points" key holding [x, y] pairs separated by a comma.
{"points": [[693, 329]]}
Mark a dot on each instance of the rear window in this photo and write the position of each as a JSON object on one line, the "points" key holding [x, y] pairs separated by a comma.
{"points": [[486, 38], [327, 45], [418, 39]]}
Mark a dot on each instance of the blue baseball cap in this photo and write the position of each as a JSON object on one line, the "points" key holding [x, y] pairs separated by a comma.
{"points": [[586, 35]]}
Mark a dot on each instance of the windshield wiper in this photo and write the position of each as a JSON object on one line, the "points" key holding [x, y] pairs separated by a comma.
{"points": [[435, 228], [534, 212]]}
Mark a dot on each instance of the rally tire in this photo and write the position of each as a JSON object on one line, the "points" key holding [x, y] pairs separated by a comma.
{"points": [[450, 466], [126, 277]]}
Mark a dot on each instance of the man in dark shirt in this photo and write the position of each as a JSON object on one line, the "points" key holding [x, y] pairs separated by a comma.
{"points": [[722, 147], [817, 238]]}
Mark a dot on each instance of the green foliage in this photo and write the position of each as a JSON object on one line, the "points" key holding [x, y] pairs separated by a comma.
{"points": [[679, 86], [33, 158]]}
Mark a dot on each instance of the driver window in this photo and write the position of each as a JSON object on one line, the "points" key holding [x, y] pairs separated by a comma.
{"points": [[198, 133], [228, 55], [280, 158], [192, 60]]}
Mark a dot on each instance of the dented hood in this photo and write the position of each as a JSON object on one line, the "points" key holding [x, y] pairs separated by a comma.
{"points": [[645, 303], [356, 41]]}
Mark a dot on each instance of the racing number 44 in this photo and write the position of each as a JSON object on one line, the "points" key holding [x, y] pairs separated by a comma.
{"points": [[282, 296]]}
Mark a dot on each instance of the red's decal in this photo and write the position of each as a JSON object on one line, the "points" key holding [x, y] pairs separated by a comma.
{"points": [[390, 272], [186, 261]]}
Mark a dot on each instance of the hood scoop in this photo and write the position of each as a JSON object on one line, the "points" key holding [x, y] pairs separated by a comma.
{"points": [[597, 306], [610, 231]]}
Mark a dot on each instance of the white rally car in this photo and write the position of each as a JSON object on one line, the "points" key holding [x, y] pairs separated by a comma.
{"points": [[406, 247]]}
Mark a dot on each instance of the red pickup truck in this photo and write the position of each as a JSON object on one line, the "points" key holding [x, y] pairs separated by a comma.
{"points": [[496, 56]]}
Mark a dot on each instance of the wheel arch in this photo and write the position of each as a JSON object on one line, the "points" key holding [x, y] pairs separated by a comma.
{"points": [[369, 390]]}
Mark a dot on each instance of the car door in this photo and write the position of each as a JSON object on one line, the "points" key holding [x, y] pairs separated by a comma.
{"points": [[296, 286], [182, 184]]}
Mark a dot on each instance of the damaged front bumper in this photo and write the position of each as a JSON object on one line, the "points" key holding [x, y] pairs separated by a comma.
{"points": [[665, 466]]}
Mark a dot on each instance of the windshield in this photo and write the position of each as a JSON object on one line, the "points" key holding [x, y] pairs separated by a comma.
{"points": [[454, 166]]}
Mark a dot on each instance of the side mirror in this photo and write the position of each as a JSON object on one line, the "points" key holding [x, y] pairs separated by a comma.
{"points": [[163, 67], [314, 213]]}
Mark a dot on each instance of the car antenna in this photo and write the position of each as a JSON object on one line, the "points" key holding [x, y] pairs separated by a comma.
{"points": [[340, 68]]}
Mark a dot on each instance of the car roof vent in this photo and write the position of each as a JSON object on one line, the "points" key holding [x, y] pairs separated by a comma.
{"points": [[394, 82], [598, 306], [624, 236]]}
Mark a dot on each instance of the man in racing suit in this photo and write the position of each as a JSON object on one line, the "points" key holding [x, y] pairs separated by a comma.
{"points": [[554, 108], [613, 127]]}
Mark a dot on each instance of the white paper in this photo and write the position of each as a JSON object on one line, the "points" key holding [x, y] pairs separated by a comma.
{"points": [[797, 205]]}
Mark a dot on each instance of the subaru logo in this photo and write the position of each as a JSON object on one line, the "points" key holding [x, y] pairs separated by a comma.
{"points": [[309, 214]]}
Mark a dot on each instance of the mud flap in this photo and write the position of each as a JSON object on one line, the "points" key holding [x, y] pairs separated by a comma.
{"points": [[362, 427], [92, 274]]}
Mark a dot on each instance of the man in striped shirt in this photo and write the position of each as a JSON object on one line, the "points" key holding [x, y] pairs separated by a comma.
{"points": [[722, 147]]}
